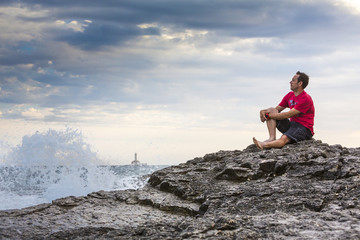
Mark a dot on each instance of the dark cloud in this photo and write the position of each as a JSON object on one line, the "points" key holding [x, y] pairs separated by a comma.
{"points": [[240, 18], [98, 35], [24, 53], [115, 22]]}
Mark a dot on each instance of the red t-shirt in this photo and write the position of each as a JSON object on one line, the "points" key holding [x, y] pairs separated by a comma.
{"points": [[305, 105]]}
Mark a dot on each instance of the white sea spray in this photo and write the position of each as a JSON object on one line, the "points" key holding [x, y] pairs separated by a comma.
{"points": [[55, 164]]}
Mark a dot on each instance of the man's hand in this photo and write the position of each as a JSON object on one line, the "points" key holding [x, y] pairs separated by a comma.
{"points": [[267, 116], [262, 115]]}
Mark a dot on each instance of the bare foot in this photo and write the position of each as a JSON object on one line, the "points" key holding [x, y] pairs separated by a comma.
{"points": [[269, 140], [258, 144]]}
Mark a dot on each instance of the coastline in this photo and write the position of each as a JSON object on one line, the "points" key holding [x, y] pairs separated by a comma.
{"points": [[305, 190]]}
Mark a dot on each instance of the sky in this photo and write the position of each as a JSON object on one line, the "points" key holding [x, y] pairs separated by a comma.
{"points": [[174, 80]]}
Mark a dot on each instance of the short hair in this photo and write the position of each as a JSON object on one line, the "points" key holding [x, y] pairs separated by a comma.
{"points": [[304, 78]]}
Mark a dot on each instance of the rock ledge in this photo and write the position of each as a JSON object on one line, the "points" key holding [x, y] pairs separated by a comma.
{"points": [[308, 190]]}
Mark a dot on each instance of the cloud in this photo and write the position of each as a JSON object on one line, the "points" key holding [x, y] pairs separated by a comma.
{"points": [[160, 52], [97, 35], [33, 113]]}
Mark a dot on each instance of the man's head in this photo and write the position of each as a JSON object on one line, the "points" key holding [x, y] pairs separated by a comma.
{"points": [[304, 78], [300, 79]]}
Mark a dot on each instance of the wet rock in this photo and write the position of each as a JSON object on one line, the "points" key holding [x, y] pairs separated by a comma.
{"points": [[309, 190]]}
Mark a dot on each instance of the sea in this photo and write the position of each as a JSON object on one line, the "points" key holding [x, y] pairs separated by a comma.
{"points": [[55, 164]]}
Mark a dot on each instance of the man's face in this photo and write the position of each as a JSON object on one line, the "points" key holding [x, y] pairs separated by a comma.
{"points": [[294, 83]]}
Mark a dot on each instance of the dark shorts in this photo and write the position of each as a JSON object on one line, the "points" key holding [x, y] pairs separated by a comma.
{"points": [[293, 130]]}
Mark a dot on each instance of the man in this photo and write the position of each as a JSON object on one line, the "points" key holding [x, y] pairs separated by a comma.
{"points": [[301, 115]]}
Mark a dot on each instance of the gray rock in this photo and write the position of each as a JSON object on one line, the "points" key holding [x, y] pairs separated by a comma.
{"points": [[308, 190]]}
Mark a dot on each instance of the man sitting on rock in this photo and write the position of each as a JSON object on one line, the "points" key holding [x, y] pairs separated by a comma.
{"points": [[295, 125]]}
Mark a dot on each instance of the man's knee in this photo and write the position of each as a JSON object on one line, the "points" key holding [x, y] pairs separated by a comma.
{"points": [[272, 110]]}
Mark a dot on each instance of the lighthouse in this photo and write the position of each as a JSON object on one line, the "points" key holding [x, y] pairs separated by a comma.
{"points": [[135, 162]]}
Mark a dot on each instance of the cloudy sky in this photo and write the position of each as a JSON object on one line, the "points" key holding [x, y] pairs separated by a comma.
{"points": [[174, 80]]}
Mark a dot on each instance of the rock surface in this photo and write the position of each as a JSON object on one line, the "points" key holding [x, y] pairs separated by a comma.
{"points": [[308, 190]]}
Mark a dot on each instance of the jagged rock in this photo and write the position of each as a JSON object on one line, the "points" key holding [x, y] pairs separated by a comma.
{"points": [[308, 190]]}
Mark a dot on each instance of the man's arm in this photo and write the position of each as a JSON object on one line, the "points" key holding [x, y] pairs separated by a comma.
{"points": [[269, 110], [280, 108], [284, 115]]}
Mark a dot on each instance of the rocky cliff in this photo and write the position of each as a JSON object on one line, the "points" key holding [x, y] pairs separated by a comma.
{"points": [[308, 190]]}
